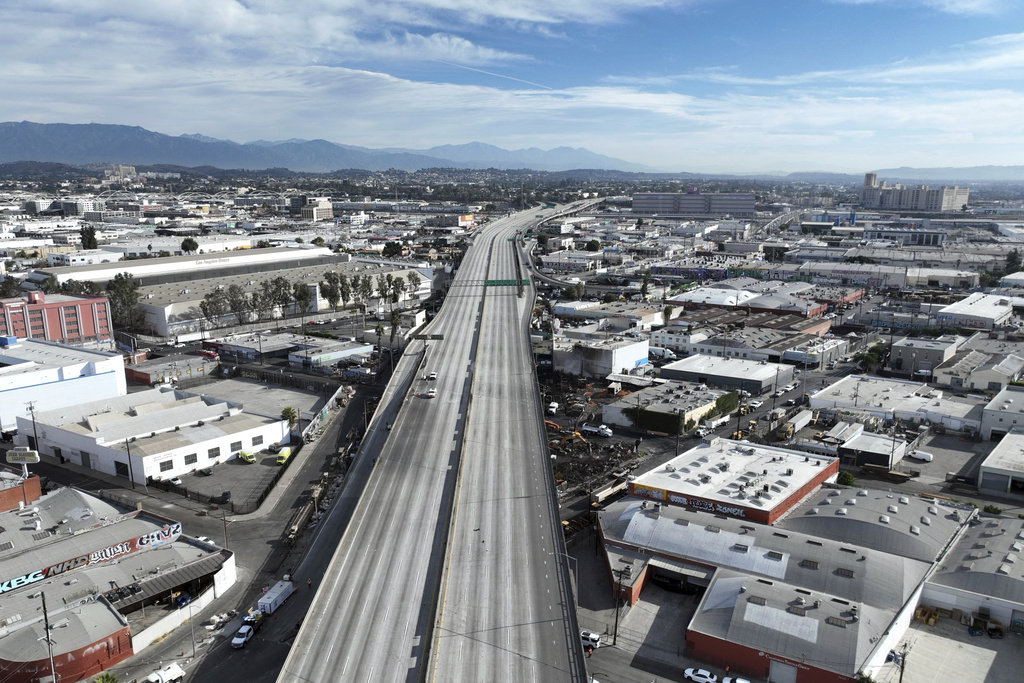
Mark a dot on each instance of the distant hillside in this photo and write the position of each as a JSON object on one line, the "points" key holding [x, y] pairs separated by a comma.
{"points": [[102, 143]]}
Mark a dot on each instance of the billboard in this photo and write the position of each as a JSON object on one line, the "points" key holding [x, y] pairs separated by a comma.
{"points": [[22, 455]]}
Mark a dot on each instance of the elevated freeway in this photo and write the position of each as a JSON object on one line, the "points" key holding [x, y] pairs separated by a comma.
{"points": [[461, 476]]}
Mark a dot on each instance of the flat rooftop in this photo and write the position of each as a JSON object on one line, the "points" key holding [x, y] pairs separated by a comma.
{"points": [[1008, 454], [735, 368], [670, 396], [871, 393], [49, 354], [735, 473]]}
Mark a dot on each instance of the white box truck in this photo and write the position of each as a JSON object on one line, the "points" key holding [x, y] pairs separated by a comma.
{"points": [[169, 674], [716, 422], [276, 596]]}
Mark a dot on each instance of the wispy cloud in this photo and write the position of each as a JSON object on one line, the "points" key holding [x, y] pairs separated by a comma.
{"points": [[950, 6]]}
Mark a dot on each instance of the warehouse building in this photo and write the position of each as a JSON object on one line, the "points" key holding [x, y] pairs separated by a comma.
{"points": [[978, 311], [1003, 470], [780, 604], [667, 407], [154, 434], [732, 374], [95, 566], [736, 479], [41, 375]]}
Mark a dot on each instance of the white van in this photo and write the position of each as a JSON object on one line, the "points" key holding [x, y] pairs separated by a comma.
{"points": [[921, 455], [552, 408], [590, 639]]}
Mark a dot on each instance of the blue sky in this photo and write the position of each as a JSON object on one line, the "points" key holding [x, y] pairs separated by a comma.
{"points": [[684, 85]]}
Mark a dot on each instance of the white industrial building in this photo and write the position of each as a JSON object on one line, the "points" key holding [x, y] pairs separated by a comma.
{"points": [[756, 377], [188, 267], [599, 358], [86, 257], [1003, 470], [1003, 413], [47, 375], [158, 434], [887, 399], [978, 311]]}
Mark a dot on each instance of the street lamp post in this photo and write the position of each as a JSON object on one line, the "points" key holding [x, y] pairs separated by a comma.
{"points": [[576, 573], [679, 427], [192, 629]]}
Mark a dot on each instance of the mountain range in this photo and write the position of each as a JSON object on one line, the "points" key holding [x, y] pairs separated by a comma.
{"points": [[102, 143], [95, 143]]}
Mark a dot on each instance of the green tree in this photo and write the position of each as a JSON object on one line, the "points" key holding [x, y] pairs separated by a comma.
{"points": [[330, 287], [344, 289], [215, 305], [10, 287], [123, 295], [1013, 261], [542, 240], [88, 235], [392, 249], [302, 296], [845, 479], [51, 285], [645, 285], [668, 313], [299, 240], [238, 302], [378, 331], [383, 286], [318, 241], [189, 245], [609, 297], [291, 415], [593, 245], [106, 677], [264, 244], [414, 281], [281, 293]]}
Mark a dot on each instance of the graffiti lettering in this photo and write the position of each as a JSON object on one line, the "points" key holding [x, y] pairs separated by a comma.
{"points": [[110, 553], [21, 581], [168, 533], [648, 492]]}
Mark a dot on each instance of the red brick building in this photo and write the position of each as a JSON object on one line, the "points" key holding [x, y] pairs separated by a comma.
{"points": [[65, 318]]}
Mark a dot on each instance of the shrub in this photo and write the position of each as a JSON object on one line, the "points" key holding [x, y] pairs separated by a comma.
{"points": [[993, 509], [846, 479]]}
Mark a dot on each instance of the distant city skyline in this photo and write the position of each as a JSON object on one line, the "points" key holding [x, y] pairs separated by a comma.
{"points": [[740, 86]]}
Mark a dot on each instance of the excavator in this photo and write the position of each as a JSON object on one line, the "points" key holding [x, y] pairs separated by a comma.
{"points": [[557, 445]]}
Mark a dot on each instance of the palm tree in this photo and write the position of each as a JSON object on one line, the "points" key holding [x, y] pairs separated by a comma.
{"points": [[291, 415], [105, 677]]}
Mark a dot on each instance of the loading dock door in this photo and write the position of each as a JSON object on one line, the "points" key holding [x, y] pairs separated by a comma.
{"points": [[782, 673], [995, 482]]}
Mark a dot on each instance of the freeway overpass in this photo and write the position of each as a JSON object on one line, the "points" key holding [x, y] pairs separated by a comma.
{"points": [[453, 567]]}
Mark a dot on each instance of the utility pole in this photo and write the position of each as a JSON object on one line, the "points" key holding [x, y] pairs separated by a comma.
{"points": [[618, 602], [903, 660], [131, 473], [35, 435], [46, 635], [225, 518]]}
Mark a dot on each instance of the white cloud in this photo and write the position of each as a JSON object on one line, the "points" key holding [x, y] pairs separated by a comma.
{"points": [[950, 6]]}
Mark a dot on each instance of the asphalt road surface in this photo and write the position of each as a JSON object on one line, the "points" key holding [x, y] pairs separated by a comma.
{"points": [[374, 611], [506, 608]]}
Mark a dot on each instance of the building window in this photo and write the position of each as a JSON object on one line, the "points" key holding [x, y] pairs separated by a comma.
{"points": [[213, 453], [166, 465], [236, 446], [257, 440], [191, 459], [121, 469]]}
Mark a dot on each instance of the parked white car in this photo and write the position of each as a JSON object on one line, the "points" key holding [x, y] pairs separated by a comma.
{"points": [[921, 455]]}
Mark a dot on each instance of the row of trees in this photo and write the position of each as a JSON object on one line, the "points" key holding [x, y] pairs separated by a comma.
{"points": [[278, 293]]}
